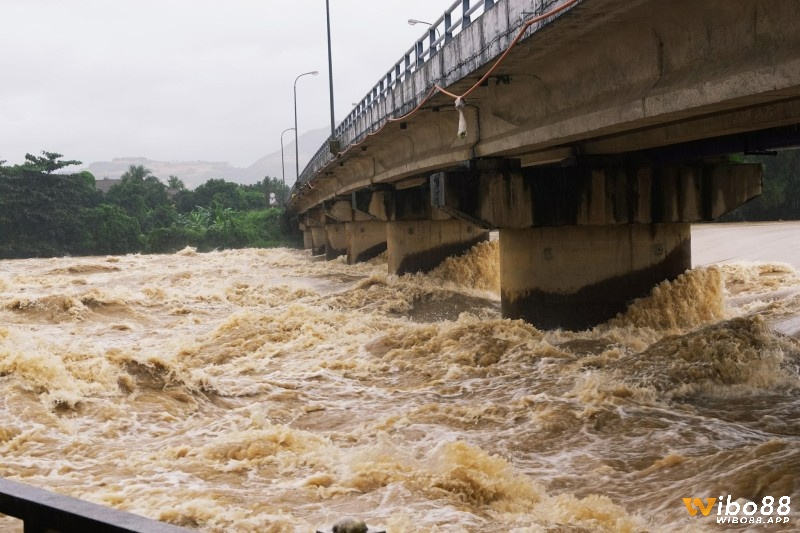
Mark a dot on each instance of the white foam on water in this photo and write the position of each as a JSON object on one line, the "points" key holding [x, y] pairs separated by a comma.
{"points": [[267, 390]]}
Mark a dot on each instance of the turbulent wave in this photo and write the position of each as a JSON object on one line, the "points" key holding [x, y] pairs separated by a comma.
{"points": [[693, 299], [268, 390]]}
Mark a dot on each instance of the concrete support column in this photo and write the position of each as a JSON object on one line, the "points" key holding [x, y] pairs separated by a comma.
{"points": [[317, 240], [335, 241], [365, 240], [575, 277], [308, 242], [420, 245]]}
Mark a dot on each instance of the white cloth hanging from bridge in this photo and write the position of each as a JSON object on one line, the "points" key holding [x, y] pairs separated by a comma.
{"points": [[462, 121]]}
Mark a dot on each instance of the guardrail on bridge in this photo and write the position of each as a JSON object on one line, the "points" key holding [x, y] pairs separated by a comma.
{"points": [[387, 99]]}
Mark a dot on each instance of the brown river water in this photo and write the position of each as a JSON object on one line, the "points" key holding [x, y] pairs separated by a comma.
{"points": [[269, 390]]}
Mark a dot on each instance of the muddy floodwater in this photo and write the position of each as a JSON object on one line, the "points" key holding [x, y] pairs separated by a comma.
{"points": [[269, 390]]}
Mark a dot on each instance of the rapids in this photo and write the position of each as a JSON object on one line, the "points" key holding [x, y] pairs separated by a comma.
{"points": [[269, 390]]}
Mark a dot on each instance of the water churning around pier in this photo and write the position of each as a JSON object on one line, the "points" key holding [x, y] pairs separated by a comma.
{"points": [[268, 390]]}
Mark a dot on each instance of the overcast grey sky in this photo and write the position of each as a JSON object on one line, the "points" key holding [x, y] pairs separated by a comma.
{"points": [[187, 79]]}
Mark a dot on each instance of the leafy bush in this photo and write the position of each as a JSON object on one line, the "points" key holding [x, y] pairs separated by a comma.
{"points": [[111, 230], [44, 214]]}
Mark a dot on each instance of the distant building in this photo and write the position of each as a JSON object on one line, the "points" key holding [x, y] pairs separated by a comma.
{"points": [[105, 184]]}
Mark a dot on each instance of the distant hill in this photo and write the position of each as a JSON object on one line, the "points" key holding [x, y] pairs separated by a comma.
{"points": [[194, 173]]}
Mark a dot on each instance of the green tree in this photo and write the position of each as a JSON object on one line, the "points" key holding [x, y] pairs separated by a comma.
{"points": [[137, 173], [184, 201], [47, 164], [171, 239], [174, 182], [39, 210], [780, 198], [139, 193], [250, 200], [112, 230], [269, 186], [218, 191], [44, 213], [266, 224], [163, 216]]}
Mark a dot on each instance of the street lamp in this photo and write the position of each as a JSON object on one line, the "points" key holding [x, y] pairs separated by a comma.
{"points": [[296, 151], [333, 146], [412, 22], [283, 169]]}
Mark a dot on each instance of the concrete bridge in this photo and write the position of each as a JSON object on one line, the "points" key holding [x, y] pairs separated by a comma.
{"points": [[591, 133]]}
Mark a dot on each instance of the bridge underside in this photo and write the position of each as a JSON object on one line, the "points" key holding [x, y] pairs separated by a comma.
{"points": [[577, 243], [599, 140]]}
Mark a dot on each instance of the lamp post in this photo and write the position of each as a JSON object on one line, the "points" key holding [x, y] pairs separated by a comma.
{"points": [[283, 169], [412, 22], [296, 151], [333, 146]]}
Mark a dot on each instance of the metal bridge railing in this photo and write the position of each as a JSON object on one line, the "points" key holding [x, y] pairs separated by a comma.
{"points": [[455, 19], [379, 101], [43, 511]]}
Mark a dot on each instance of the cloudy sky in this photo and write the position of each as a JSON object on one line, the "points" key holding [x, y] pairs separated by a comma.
{"points": [[187, 79]]}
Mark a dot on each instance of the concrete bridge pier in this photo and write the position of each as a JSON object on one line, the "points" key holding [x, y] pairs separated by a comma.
{"points": [[338, 212], [335, 240], [366, 234], [418, 236], [365, 240], [317, 240], [312, 225], [578, 243], [420, 245], [306, 230], [579, 276]]}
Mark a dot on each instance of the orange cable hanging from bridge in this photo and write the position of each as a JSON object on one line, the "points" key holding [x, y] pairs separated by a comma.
{"points": [[460, 98], [428, 96], [521, 32]]}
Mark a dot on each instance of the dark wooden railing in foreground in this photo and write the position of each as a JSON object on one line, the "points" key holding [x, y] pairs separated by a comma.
{"points": [[43, 511]]}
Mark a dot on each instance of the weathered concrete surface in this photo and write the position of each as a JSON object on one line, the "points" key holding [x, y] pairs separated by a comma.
{"points": [[335, 241], [365, 240], [317, 240], [338, 210], [308, 242], [499, 194], [636, 100], [576, 277], [420, 245], [372, 203], [605, 77], [314, 217]]}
